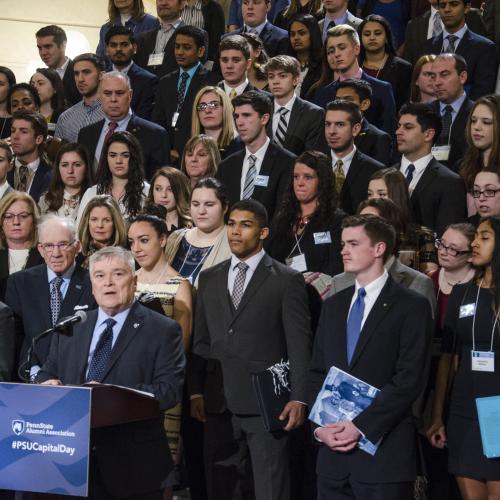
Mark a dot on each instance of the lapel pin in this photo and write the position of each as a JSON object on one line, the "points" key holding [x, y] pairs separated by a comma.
{"points": [[136, 325], [78, 287]]}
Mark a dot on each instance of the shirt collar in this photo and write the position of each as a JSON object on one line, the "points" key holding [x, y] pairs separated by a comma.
{"points": [[62, 68], [459, 34], [337, 20], [168, 26], [91, 107], [125, 69], [346, 159], [3, 188], [358, 75], [261, 152], [33, 165], [258, 28], [119, 318], [288, 105], [456, 104], [419, 164], [191, 71], [239, 89], [121, 122], [376, 285], [252, 262], [66, 276]]}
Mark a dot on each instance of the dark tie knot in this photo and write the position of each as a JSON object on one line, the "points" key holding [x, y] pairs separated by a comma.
{"points": [[448, 109], [184, 76], [56, 282], [283, 111], [113, 126], [242, 266], [252, 159], [452, 38], [110, 323], [361, 293], [410, 169]]}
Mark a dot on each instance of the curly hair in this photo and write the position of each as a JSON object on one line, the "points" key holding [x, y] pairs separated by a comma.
{"points": [[133, 189]]}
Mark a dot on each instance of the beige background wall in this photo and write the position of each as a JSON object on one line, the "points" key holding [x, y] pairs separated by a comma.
{"points": [[20, 19]]}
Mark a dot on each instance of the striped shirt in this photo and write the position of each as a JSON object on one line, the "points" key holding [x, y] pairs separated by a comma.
{"points": [[75, 118]]}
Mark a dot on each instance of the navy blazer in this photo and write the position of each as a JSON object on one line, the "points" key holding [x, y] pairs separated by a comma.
{"points": [[153, 139], [382, 112], [41, 180], [143, 84], [374, 143], [480, 55]]}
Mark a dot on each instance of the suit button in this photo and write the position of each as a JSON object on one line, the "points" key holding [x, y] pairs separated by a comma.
{"points": [[230, 331]]}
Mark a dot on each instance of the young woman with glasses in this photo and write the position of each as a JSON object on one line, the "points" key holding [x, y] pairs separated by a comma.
{"points": [[485, 194]]}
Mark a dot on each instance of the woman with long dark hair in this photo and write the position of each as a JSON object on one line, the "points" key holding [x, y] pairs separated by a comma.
{"points": [[7, 79], [378, 57], [306, 232], [72, 176], [305, 41], [120, 174]]}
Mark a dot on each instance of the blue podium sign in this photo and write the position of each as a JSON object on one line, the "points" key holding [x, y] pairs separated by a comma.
{"points": [[44, 438]]}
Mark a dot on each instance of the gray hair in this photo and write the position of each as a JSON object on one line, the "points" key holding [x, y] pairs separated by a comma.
{"points": [[116, 74], [108, 253], [57, 219]]}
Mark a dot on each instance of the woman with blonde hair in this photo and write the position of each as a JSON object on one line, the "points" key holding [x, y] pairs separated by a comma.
{"points": [[422, 80], [213, 115], [101, 226], [18, 235], [200, 159], [171, 189]]}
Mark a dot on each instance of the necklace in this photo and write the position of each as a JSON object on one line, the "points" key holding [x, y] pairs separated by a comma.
{"points": [[380, 67], [154, 282]]}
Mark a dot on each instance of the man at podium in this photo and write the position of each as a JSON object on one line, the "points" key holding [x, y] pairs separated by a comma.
{"points": [[122, 343]]}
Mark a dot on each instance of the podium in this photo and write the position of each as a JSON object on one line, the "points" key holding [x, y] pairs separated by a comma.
{"points": [[55, 439]]}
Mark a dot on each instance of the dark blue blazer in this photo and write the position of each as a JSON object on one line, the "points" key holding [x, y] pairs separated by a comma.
{"points": [[382, 112], [143, 84], [40, 182], [480, 55]]}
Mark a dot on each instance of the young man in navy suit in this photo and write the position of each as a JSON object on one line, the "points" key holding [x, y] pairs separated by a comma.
{"points": [[380, 332]]}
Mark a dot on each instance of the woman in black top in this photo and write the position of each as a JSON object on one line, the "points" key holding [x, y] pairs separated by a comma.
{"points": [[306, 232]]}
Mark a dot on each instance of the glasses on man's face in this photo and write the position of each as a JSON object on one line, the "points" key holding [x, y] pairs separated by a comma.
{"points": [[449, 250], [10, 217], [62, 246], [487, 193], [208, 105]]}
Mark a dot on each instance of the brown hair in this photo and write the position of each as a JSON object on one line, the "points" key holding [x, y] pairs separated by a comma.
{"points": [[6, 203], [137, 11], [414, 89], [287, 64], [210, 146]]}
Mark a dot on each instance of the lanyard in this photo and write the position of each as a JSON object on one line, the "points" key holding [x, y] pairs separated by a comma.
{"points": [[297, 244], [474, 322]]}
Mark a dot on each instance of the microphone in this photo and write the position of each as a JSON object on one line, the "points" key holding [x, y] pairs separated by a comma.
{"points": [[70, 320]]}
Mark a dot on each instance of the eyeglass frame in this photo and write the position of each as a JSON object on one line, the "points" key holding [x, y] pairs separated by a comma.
{"points": [[208, 105], [22, 216], [449, 250], [62, 246], [476, 193]]}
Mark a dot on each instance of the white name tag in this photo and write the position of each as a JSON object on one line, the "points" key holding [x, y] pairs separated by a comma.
{"points": [[482, 361], [175, 117], [262, 180], [298, 263], [322, 238], [441, 153], [467, 310], [155, 59]]}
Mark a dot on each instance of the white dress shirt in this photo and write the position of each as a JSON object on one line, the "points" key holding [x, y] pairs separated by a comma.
{"points": [[277, 114], [252, 264], [239, 89], [259, 154], [430, 29], [346, 161], [60, 71], [420, 166], [459, 34]]}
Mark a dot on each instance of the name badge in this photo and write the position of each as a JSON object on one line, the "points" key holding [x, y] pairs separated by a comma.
{"points": [[322, 238], [482, 361], [298, 263], [175, 117], [441, 153], [261, 180], [155, 59], [467, 310]]}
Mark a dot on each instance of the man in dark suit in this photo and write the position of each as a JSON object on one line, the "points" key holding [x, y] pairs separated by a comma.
{"points": [[380, 333], [61, 287], [31, 174], [176, 91], [371, 140], [352, 169], [116, 96], [296, 124], [122, 343], [343, 45], [254, 13], [437, 194], [51, 42], [155, 49], [232, 299], [120, 48], [478, 52], [453, 106], [426, 26], [262, 170]]}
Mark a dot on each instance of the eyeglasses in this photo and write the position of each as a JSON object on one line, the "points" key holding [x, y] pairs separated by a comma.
{"points": [[62, 246], [449, 250], [10, 217], [488, 193], [210, 105]]}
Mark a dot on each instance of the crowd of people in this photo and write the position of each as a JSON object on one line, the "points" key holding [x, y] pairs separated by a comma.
{"points": [[233, 186]]}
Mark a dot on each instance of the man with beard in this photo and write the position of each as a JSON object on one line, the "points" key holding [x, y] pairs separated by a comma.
{"points": [[120, 48]]}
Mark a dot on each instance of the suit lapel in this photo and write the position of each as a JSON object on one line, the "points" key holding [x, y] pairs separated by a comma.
{"points": [[426, 179], [41, 285], [294, 119], [222, 292], [75, 290], [350, 179], [345, 298]]}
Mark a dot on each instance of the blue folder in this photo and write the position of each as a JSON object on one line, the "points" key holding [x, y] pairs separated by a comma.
{"points": [[488, 412]]}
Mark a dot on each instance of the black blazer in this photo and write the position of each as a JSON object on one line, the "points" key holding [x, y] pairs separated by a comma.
{"points": [[374, 143], [71, 93], [397, 72], [416, 33], [143, 84], [277, 165], [392, 354], [439, 198], [321, 257], [312, 76], [166, 105], [32, 310], [145, 47], [7, 343], [242, 341], [306, 124], [458, 144], [41, 180], [153, 139], [480, 55], [147, 356]]}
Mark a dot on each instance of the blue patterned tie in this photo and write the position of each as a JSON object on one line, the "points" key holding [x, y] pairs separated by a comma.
{"points": [[55, 298], [102, 353], [354, 323]]}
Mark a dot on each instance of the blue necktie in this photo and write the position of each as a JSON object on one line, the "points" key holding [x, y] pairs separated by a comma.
{"points": [[354, 323], [102, 353], [409, 173]]}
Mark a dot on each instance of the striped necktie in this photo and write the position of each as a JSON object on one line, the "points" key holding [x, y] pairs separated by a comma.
{"points": [[280, 134], [250, 178]]}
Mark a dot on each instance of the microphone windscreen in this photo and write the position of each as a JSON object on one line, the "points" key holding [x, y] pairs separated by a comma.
{"points": [[82, 315]]}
